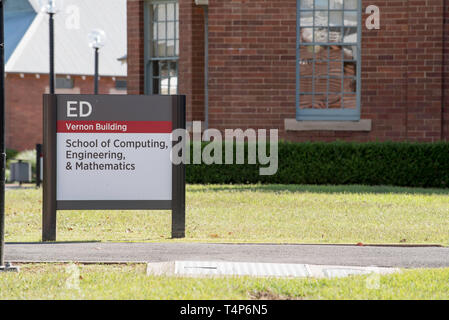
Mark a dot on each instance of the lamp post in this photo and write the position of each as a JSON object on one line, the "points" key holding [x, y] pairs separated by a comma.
{"points": [[97, 40], [51, 7], [3, 266]]}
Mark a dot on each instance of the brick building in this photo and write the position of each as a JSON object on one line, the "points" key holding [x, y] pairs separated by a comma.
{"points": [[27, 59], [310, 68]]}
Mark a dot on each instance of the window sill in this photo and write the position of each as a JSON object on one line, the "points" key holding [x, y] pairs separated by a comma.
{"points": [[361, 125]]}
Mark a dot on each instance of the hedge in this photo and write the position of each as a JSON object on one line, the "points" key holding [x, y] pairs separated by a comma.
{"points": [[340, 163], [10, 154]]}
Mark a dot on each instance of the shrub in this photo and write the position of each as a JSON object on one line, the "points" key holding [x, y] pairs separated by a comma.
{"points": [[399, 164], [10, 154]]}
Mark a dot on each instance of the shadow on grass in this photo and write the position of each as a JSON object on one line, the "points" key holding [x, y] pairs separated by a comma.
{"points": [[354, 189], [54, 242]]}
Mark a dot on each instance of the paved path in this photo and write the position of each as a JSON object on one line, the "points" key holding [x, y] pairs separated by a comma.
{"points": [[404, 257]]}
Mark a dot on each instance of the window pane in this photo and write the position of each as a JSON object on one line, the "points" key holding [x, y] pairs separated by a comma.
{"points": [[161, 34], [321, 18], [155, 49], [307, 4], [350, 52], [306, 19], [350, 35], [161, 12], [171, 11], [173, 85], [163, 69], [156, 86], [350, 18], [156, 69], [321, 53], [334, 86], [349, 85], [334, 101], [321, 34], [155, 12], [336, 18], [351, 4], [164, 86], [154, 34], [161, 52], [350, 101], [321, 4], [170, 48], [350, 69], [173, 69], [306, 34], [335, 35], [335, 53], [306, 101], [336, 4], [170, 30]]}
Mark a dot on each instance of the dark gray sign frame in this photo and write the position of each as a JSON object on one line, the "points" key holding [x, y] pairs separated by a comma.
{"points": [[51, 205]]}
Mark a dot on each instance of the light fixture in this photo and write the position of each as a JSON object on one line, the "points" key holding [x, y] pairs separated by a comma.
{"points": [[51, 6], [97, 38]]}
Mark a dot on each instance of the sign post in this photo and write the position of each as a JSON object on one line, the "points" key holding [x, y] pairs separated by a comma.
{"points": [[105, 152]]}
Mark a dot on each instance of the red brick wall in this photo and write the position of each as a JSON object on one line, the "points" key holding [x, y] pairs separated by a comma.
{"points": [[252, 74], [24, 106], [425, 70], [136, 50], [191, 59], [446, 72], [252, 63]]}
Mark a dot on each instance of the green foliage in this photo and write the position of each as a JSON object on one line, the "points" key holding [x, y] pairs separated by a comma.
{"points": [[27, 156], [398, 164], [10, 154]]}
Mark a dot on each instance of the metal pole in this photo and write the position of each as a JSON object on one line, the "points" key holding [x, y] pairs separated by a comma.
{"points": [[52, 53], [3, 266], [2, 140], [38, 164], [96, 71], [49, 209]]}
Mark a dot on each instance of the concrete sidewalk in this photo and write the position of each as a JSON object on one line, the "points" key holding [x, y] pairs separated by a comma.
{"points": [[400, 257]]}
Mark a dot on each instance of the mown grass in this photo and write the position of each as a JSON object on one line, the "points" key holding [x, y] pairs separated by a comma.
{"points": [[256, 213], [64, 281]]}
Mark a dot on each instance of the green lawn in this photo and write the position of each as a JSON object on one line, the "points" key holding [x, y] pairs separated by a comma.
{"points": [[256, 213], [58, 281]]}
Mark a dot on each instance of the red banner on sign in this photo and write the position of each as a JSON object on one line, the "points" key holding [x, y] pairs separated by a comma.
{"points": [[114, 127]]}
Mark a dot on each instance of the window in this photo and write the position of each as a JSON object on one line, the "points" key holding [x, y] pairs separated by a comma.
{"points": [[328, 59], [64, 83], [162, 46], [120, 84]]}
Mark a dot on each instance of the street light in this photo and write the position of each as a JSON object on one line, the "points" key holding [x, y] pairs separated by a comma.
{"points": [[97, 40], [51, 7]]}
